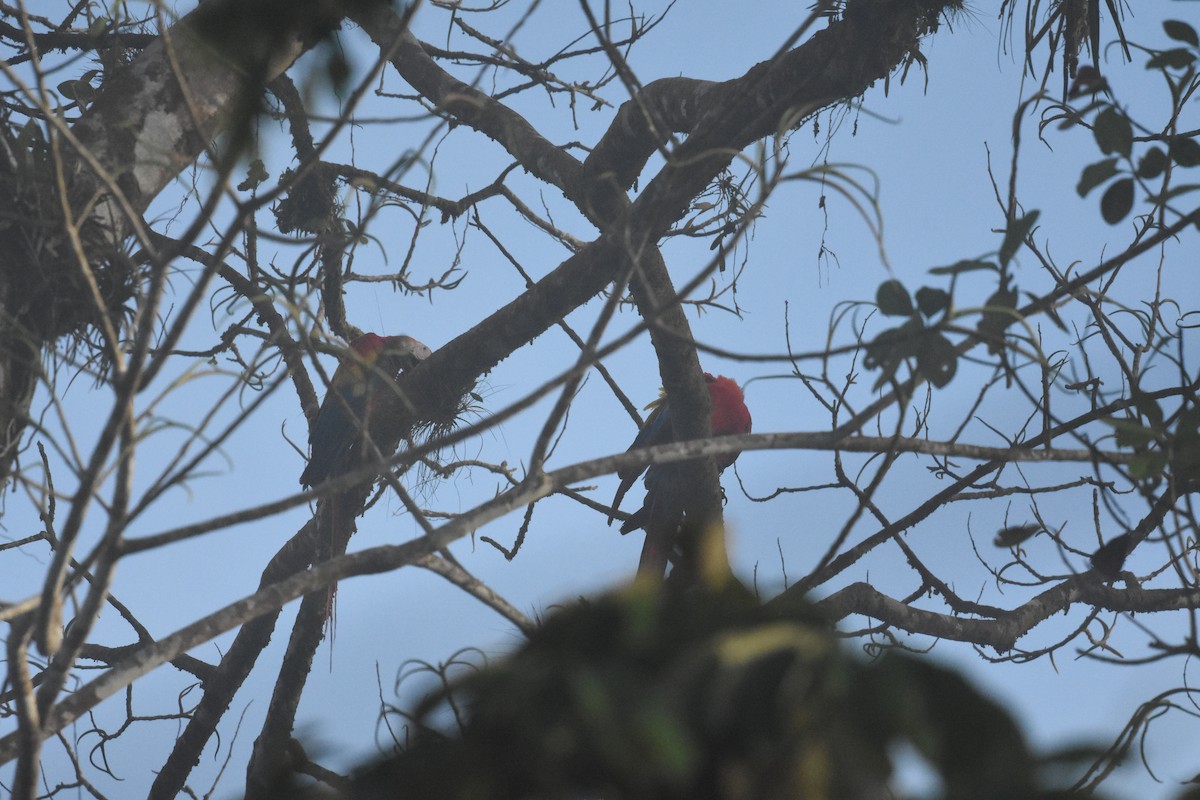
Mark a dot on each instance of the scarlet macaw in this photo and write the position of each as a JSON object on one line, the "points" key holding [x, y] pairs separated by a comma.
{"points": [[662, 511], [361, 379]]}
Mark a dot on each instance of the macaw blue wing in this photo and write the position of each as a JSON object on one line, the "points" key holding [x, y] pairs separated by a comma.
{"points": [[327, 440], [660, 516], [656, 430]]}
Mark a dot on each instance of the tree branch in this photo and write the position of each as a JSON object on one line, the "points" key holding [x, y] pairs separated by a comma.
{"points": [[1003, 632]]}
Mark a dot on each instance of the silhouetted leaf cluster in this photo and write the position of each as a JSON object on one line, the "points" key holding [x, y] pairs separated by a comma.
{"points": [[660, 694], [917, 338], [1115, 136]]}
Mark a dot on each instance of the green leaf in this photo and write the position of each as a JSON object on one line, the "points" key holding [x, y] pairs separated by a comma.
{"points": [[1013, 535], [1113, 132], [1088, 80], [81, 89], [993, 323], [887, 370], [1178, 58], [893, 344], [966, 265], [666, 742], [881, 350], [1131, 433], [1189, 421], [1096, 174], [937, 359], [1185, 458], [1152, 163], [931, 301], [1117, 201], [1185, 446], [1181, 32], [1187, 431], [1015, 235], [1148, 408], [893, 299], [1148, 465], [1003, 297], [1173, 192], [68, 89], [889, 349], [1185, 152]]}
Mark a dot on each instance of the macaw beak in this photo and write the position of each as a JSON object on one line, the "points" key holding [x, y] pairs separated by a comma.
{"points": [[404, 351]]}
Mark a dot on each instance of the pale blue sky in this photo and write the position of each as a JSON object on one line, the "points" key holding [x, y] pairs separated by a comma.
{"points": [[928, 149]]}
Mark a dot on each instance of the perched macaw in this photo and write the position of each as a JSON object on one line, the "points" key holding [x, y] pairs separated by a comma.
{"points": [[662, 511], [366, 371]]}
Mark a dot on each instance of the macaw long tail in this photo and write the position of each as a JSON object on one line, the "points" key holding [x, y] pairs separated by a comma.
{"points": [[655, 553], [660, 516], [339, 531], [331, 615]]}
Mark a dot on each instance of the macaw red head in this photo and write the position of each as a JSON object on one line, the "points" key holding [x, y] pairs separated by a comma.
{"points": [[729, 412], [396, 352]]}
